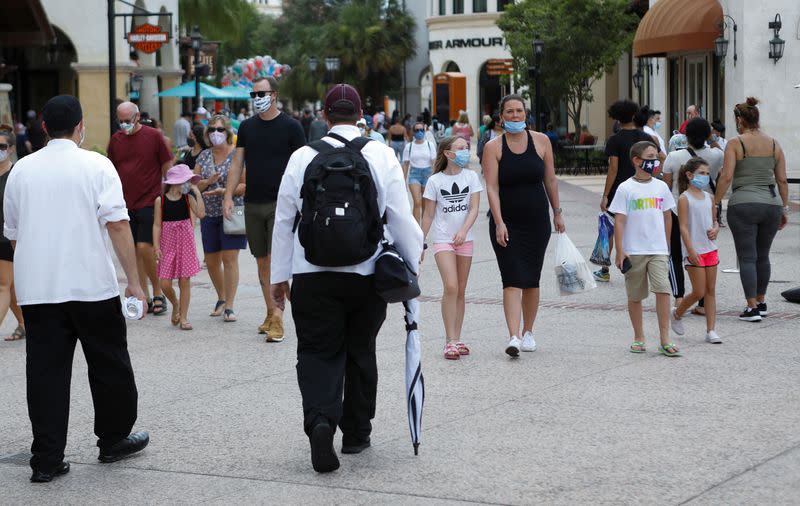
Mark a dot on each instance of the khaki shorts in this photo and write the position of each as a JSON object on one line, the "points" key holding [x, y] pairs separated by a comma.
{"points": [[652, 270], [259, 221]]}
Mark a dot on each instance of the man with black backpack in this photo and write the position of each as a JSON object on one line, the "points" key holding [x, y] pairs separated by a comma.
{"points": [[338, 199]]}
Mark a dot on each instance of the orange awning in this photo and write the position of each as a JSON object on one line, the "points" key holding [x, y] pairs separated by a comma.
{"points": [[671, 26]]}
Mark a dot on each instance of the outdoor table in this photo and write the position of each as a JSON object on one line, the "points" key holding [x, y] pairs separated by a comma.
{"points": [[586, 150]]}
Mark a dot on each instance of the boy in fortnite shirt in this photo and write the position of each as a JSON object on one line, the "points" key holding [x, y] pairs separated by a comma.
{"points": [[643, 208]]}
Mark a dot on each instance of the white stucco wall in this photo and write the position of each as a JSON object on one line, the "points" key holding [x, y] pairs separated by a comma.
{"points": [[87, 26], [469, 59]]}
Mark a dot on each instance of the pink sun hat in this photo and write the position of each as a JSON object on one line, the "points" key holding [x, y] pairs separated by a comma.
{"points": [[180, 174]]}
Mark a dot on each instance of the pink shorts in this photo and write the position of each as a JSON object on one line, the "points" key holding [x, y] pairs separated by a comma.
{"points": [[709, 259], [465, 250]]}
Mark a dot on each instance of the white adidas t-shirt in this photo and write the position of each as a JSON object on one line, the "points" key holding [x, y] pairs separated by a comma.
{"points": [[452, 196], [643, 205]]}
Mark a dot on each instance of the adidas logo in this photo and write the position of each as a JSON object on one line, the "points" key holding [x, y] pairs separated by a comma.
{"points": [[454, 197]]}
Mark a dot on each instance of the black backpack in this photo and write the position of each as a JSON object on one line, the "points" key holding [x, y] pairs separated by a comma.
{"points": [[339, 223]]}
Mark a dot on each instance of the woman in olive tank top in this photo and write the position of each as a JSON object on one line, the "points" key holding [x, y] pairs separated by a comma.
{"points": [[755, 169]]}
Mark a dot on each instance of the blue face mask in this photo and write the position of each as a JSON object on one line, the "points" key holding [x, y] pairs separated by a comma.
{"points": [[462, 158], [514, 127], [700, 180], [658, 125], [419, 135]]}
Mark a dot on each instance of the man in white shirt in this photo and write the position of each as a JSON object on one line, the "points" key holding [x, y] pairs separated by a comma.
{"points": [[336, 310], [60, 205], [181, 130]]}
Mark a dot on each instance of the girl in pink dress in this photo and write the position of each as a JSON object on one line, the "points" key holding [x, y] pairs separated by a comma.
{"points": [[173, 237]]}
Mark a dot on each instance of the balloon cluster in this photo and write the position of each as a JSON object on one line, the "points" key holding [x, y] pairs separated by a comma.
{"points": [[244, 71]]}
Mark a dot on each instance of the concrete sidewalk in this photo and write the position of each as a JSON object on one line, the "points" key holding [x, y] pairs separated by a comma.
{"points": [[581, 420]]}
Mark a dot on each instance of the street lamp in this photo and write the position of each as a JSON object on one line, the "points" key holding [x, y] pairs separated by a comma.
{"points": [[535, 72], [721, 43], [332, 64], [777, 43], [197, 43]]}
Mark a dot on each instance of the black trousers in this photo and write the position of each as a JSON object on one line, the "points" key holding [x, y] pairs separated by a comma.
{"points": [[52, 331], [676, 275], [337, 317]]}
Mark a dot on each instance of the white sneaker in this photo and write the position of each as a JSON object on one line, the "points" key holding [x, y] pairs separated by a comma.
{"points": [[677, 325], [713, 338], [512, 348], [528, 343]]}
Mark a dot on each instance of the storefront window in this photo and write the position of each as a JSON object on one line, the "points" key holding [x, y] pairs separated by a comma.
{"points": [[479, 6], [501, 4], [442, 7], [458, 6]]}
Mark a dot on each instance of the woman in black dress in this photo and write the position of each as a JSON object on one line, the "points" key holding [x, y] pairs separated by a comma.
{"points": [[520, 183]]}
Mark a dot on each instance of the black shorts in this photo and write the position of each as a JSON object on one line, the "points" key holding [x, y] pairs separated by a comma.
{"points": [[142, 224], [6, 251]]}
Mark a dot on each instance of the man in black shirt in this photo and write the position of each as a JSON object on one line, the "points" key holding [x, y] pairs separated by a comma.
{"points": [[264, 144], [618, 151]]}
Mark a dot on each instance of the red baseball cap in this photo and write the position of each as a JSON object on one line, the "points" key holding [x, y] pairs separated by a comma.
{"points": [[343, 99]]}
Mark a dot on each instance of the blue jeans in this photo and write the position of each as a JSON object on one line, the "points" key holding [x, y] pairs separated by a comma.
{"points": [[419, 175]]}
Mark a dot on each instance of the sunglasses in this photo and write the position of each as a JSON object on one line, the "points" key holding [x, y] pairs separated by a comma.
{"points": [[3, 147], [217, 129], [418, 130], [260, 94]]}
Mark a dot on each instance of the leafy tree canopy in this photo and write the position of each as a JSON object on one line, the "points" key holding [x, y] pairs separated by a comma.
{"points": [[584, 39]]}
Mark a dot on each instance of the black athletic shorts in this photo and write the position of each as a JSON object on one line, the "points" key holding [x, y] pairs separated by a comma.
{"points": [[142, 224], [6, 251]]}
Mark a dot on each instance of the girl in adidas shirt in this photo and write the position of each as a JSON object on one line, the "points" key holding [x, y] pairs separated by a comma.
{"points": [[451, 200]]}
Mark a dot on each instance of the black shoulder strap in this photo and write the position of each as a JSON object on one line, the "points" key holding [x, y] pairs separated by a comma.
{"points": [[321, 146], [691, 152], [356, 144], [744, 150]]}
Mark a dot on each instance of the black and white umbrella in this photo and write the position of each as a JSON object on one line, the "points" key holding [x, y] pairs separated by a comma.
{"points": [[415, 382]]}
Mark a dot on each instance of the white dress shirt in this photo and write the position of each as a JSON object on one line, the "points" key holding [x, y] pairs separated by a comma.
{"points": [[661, 146], [288, 256], [57, 203]]}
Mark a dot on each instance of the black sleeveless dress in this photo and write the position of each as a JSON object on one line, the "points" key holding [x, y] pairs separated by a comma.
{"points": [[526, 213]]}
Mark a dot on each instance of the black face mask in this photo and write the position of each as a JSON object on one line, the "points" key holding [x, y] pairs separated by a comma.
{"points": [[650, 166], [190, 143]]}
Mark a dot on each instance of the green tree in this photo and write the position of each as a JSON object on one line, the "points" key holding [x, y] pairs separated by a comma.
{"points": [[372, 39], [222, 20], [584, 40]]}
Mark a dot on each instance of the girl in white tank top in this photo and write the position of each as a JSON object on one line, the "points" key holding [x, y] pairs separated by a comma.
{"points": [[697, 216]]}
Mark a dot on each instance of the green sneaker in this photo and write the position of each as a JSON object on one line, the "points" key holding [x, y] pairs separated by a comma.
{"points": [[602, 276]]}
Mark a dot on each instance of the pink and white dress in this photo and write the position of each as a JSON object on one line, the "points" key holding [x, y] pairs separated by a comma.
{"points": [[178, 249]]}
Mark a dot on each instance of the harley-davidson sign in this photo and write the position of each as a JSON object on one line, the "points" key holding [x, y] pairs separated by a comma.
{"points": [[147, 38]]}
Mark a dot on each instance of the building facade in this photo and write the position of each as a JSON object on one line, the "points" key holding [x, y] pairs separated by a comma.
{"points": [[53, 47], [675, 48], [462, 38], [268, 7], [415, 69]]}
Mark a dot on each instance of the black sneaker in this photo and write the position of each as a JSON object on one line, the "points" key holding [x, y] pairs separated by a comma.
{"points": [[354, 445], [750, 314], [762, 309], [323, 457]]}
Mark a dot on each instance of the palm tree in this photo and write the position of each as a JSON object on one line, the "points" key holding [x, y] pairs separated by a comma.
{"points": [[217, 19]]}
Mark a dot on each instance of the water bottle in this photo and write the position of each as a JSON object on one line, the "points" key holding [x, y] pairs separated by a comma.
{"points": [[132, 309]]}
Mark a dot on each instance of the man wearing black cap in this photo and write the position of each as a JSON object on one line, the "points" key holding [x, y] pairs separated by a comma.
{"points": [[65, 196], [336, 310]]}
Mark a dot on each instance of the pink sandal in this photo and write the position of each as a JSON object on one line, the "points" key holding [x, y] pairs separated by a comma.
{"points": [[462, 348], [451, 351]]}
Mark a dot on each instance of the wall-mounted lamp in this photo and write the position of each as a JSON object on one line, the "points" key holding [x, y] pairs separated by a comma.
{"points": [[776, 44], [721, 43]]}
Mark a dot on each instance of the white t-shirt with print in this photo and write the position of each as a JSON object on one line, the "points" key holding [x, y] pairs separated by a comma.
{"points": [[420, 155], [452, 197], [643, 205]]}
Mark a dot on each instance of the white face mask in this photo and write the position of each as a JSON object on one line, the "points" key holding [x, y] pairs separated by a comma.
{"points": [[217, 138], [3, 155], [186, 187], [262, 104], [83, 137], [363, 131]]}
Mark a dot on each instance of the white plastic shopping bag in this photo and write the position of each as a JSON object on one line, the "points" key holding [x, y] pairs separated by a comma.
{"points": [[572, 271]]}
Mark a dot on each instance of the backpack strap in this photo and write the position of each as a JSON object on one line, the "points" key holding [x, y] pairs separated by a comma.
{"points": [[321, 146], [356, 144], [691, 152]]}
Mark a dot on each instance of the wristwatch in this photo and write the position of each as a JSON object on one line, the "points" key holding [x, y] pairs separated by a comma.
{"points": [[786, 210], [557, 211]]}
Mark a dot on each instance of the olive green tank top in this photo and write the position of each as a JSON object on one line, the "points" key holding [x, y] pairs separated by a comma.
{"points": [[754, 180]]}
